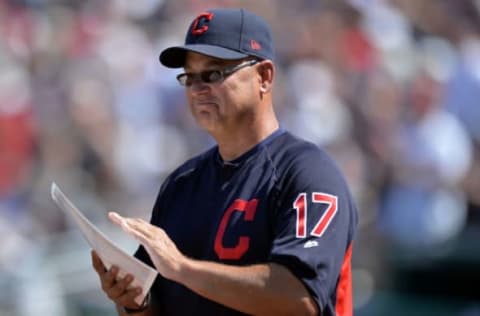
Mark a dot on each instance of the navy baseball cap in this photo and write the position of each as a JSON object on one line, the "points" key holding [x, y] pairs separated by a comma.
{"points": [[223, 33]]}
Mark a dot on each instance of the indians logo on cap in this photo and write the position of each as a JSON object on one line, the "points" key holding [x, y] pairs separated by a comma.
{"points": [[202, 19]]}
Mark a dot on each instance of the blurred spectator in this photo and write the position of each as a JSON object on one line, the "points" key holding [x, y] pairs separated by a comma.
{"points": [[423, 205], [17, 134]]}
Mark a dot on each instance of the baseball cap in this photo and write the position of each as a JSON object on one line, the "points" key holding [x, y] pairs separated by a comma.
{"points": [[223, 33]]}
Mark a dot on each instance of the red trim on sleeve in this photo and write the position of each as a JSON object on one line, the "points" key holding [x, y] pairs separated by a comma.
{"points": [[344, 304]]}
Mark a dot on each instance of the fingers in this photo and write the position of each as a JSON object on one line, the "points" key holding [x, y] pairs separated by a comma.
{"points": [[107, 277], [117, 219], [144, 229], [119, 287], [120, 293], [138, 228], [128, 298], [124, 223], [97, 263], [161, 249], [127, 223]]}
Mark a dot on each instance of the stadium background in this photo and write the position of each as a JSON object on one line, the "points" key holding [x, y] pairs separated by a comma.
{"points": [[389, 88]]}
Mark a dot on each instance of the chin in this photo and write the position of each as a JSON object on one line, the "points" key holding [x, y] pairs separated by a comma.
{"points": [[206, 121]]}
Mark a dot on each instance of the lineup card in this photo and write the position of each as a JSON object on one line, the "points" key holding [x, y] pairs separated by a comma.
{"points": [[111, 254]]}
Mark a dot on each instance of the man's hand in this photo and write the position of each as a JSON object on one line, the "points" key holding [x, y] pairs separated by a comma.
{"points": [[161, 249], [116, 289]]}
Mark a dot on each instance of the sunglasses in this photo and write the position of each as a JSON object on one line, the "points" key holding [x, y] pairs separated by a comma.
{"points": [[212, 76]]}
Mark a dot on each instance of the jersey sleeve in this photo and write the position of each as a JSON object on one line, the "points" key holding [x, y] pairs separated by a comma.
{"points": [[314, 224]]}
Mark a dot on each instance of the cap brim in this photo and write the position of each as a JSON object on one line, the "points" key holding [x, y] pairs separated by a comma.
{"points": [[174, 57]]}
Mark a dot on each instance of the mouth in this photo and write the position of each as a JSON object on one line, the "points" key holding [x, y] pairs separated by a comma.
{"points": [[204, 103], [204, 106]]}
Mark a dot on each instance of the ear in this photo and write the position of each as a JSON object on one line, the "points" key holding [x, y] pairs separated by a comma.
{"points": [[266, 71]]}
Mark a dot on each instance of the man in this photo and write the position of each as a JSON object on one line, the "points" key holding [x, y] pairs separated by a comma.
{"points": [[260, 224]]}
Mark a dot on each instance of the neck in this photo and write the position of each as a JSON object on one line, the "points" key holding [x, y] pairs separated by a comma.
{"points": [[232, 145]]}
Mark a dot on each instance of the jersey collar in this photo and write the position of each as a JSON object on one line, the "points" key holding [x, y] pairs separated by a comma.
{"points": [[237, 162]]}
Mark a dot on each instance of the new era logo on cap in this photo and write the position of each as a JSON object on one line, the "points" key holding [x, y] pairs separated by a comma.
{"points": [[225, 34], [255, 45]]}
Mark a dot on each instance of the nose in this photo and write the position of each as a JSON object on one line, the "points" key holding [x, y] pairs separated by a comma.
{"points": [[198, 86]]}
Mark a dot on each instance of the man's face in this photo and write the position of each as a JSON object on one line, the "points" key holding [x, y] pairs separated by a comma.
{"points": [[224, 106]]}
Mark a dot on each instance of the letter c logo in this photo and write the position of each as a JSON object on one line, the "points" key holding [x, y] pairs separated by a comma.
{"points": [[235, 253], [207, 16]]}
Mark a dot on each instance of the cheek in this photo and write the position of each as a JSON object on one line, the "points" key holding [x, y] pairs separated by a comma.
{"points": [[245, 93], [238, 92]]}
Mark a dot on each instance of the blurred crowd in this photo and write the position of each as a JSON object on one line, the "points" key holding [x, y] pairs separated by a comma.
{"points": [[388, 88]]}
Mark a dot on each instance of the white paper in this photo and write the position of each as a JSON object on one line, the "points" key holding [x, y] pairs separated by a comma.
{"points": [[144, 275]]}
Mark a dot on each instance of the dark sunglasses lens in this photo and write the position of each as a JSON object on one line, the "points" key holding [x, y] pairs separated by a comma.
{"points": [[211, 76]]}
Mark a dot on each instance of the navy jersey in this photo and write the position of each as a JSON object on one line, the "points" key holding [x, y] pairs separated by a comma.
{"points": [[283, 201]]}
